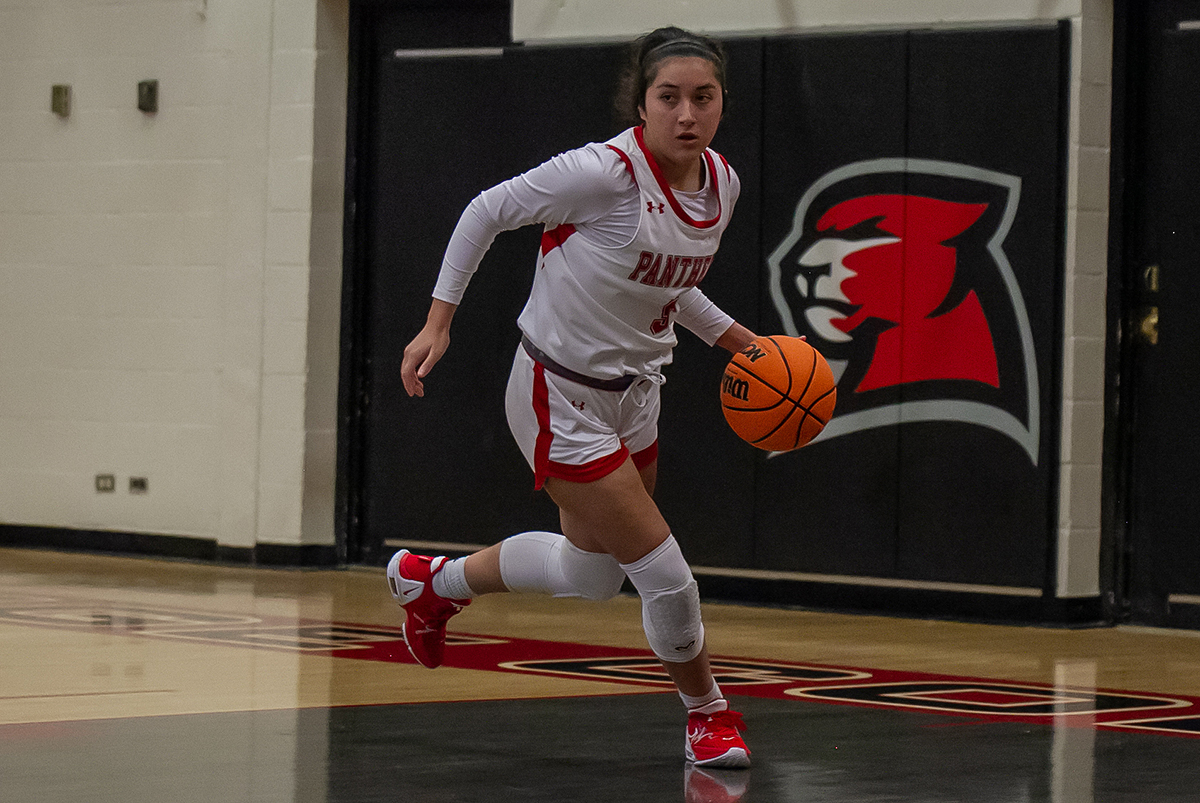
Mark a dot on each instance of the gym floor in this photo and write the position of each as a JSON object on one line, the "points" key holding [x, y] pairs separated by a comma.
{"points": [[125, 679]]}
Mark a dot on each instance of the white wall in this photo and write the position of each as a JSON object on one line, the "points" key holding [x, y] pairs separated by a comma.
{"points": [[169, 302], [163, 274], [1085, 310], [549, 20]]}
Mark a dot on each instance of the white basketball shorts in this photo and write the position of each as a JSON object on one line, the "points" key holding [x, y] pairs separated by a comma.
{"points": [[578, 433]]}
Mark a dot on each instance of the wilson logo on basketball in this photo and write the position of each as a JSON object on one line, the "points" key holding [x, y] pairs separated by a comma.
{"points": [[753, 353], [895, 270], [737, 388], [778, 393]]}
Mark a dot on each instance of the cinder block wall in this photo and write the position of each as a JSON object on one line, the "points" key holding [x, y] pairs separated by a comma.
{"points": [[169, 278], [1085, 311]]}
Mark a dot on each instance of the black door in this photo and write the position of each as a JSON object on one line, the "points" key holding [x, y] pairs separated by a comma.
{"points": [[442, 123], [447, 126], [1162, 327]]}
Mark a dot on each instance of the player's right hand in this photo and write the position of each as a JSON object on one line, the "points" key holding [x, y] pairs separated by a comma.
{"points": [[427, 347], [419, 358]]}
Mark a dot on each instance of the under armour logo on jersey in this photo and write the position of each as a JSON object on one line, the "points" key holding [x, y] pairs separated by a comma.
{"points": [[650, 207], [578, 405]]}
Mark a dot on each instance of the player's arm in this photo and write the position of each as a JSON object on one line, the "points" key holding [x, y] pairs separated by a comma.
{"points": [[575, 186], [736, 338], [581, 187], [427, 347], [697, 313], [701, 316]]}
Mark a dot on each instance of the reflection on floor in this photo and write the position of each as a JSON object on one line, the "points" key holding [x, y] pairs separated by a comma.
{"points": [[131, 680]]}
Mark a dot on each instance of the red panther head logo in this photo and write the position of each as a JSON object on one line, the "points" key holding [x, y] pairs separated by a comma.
{"points": [[894, 270], [904, 279]]}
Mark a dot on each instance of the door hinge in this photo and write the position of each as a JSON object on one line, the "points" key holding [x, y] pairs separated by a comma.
{"points": [[1145, 325]]}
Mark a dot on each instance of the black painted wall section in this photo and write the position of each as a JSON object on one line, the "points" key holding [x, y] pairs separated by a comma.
{"points": [[820, 128]]}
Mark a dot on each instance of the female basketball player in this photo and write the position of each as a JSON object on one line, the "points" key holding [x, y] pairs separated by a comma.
{"points": [[631, 227]]}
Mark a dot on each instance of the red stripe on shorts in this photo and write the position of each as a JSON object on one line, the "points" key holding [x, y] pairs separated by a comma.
{"points": [[541, 408], [591, 470], [646, 456]]}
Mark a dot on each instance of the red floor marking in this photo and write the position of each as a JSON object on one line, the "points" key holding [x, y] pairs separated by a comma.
{"points": [[976, 699], [981, 700]]}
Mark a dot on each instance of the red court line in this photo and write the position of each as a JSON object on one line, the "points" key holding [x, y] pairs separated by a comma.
{"points": [[984, 700], [975, 699]]}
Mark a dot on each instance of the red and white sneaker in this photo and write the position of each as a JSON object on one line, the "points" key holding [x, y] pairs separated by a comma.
{"points": [[713, 740], [410, 578]]}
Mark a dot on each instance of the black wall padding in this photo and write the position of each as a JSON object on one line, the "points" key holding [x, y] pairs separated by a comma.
{"points": [[829, 119]]}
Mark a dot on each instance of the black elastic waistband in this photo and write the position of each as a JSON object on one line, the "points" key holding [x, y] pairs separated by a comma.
{"points": [[539, 356]]}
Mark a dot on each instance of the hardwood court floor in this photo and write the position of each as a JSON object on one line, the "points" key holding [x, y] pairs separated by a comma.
{"points": [[146, 680]]}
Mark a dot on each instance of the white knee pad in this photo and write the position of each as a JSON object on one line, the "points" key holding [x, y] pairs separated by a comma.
{"points": [[670, 603], [672, 623], [594, 575], [547, 563]]}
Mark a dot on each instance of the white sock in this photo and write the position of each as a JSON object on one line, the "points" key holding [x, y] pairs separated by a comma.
{"points": [[709, 703], [451, 581]]}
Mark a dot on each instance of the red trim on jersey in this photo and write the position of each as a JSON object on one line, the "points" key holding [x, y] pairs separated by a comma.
{"points": [[541, 409], [628, 163], [553, 238], [646, 456], [728, 169], [591, 470], [666, 187]]}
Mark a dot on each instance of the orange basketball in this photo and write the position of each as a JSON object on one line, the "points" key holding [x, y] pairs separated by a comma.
{"points": [[778, 393]]}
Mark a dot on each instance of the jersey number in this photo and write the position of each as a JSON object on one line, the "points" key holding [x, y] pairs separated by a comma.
{"points": [[660, 324]]}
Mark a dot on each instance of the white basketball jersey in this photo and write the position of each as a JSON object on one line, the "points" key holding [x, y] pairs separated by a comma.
{"points": [[608, 311]]}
